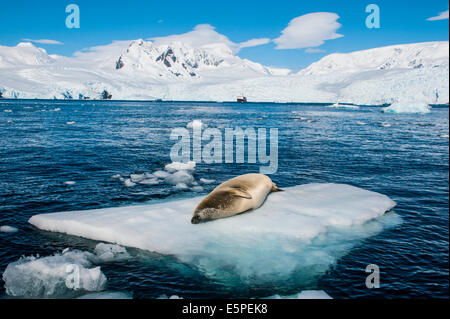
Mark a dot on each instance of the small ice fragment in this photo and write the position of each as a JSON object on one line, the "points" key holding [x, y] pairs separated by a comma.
{"points": [[195, 124], [111, 252], [129, 183], [197, 189], [179, 177], [177, 166], [164, 296], [8, 229], [207, 181], [70, 183], [181, 186], [117, 176], [161, 174], [135, 178], [149, 181], [70, 123]]}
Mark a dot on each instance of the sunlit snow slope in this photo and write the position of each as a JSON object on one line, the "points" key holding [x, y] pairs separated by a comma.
{"points": [[142, 70]]}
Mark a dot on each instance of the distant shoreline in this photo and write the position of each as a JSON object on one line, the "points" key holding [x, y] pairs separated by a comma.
{"points": [[228, 102]]}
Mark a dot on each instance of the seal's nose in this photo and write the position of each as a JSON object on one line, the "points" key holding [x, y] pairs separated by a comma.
{"points": [[195, 220]]}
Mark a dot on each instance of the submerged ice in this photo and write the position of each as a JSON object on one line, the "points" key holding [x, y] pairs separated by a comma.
{"points": [[297, 233]]}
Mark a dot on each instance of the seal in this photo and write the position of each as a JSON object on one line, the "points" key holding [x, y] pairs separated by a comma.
{"points": [[235, 196]]}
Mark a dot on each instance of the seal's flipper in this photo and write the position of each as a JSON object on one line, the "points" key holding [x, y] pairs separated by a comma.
{"points": [[276, 189], [239, 192]]}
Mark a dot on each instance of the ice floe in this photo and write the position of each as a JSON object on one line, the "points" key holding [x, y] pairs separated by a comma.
{"points": [[306, 228]]}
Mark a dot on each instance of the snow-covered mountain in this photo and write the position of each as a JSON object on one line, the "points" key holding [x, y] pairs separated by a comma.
{"points": [[406, 56], [176, 71]]}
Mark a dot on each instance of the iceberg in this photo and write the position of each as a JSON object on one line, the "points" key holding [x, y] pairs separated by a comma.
{"points": [[408, 108], [304, 228]]}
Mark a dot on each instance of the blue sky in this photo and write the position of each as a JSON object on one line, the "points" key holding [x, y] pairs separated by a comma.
{"points": [[104, 21]]}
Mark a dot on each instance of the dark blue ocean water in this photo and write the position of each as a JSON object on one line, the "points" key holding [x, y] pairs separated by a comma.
{"points": [[407, 161]]}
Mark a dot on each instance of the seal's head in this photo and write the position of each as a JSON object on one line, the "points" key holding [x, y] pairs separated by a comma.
{"points": [[203, 215]]}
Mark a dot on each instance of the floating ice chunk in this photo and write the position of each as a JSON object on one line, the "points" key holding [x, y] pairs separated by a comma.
{"points": [[111, 252], [108, 295], [181, 186], [8, 229], [71, 123], [56, 109], [61, 275], [197, 189], [171, 297], [343, 106], [149, 181], [361, 123], [129, 183], [117, 176], [305, 294], [306, 228], [136, 178], [177, 166], [444, 135], [386, 124], [408, 107], [161, 174], [70, 183], [7, 111], [196, 125], [207, 181], [180, 177]]}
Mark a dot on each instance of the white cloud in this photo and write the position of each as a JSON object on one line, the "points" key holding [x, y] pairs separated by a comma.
{"points": [[44, 41], [206, 35], [309, 30], [254, 42], [441, 16], [314, 50]]}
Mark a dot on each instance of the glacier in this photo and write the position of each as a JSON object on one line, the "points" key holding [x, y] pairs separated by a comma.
{"points": [[145, 70], [297, 233]]}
